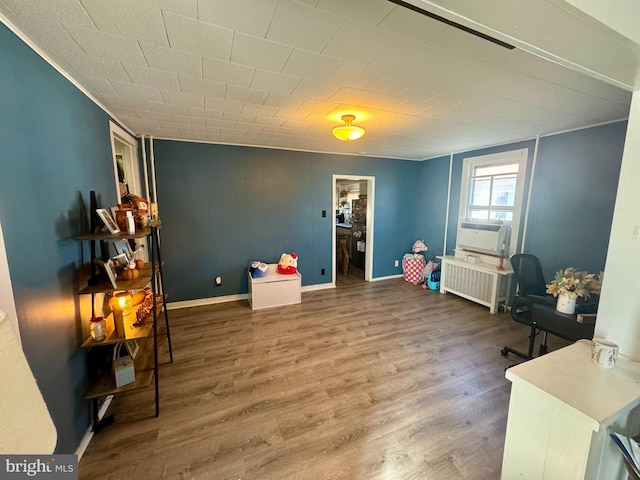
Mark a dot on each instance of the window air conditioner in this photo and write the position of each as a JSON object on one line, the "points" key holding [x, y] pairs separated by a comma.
{"points": [[489, 238]]}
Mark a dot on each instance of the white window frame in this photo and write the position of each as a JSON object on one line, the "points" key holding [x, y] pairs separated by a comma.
{"points": [[512, 156]]}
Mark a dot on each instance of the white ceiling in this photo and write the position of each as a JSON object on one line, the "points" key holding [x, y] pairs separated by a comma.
{"points": [[280, 73]]}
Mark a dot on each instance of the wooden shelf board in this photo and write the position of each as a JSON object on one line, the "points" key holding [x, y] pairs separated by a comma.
{"points": [[137, 284], [113, 337], [106, 383], [105, 235]]}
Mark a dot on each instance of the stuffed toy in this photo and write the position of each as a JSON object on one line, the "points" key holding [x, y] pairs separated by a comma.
{"points": [[419, 246], [288, 263], [258, 269]]}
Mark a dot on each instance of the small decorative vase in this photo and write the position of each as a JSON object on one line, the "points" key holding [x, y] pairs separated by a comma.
{"points": [[566, 304]]}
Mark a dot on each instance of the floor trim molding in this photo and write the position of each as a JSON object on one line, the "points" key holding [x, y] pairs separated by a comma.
{"points": [[88, 435], [234, 298], [389, 277]]}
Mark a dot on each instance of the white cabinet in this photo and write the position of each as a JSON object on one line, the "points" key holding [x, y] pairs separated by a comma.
{"points": [[561, 406]]}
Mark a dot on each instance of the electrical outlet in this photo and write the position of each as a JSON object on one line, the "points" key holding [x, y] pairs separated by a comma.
{"points": [[218, 281], [396, 263]]}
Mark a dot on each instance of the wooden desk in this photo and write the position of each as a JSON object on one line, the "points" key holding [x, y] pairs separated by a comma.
{"points": [[545, 317]]}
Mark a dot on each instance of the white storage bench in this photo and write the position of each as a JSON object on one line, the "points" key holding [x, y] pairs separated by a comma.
{"points": [[274, 289]]}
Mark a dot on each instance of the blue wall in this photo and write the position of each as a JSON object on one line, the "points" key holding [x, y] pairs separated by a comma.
{"points": [[55, 146], [572, 199], [223, 206], [432, 201]]}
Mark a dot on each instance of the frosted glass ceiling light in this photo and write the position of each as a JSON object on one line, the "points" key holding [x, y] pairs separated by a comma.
{"points": [[348, 132]]}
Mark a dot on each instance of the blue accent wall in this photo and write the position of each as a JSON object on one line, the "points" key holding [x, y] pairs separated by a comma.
{"points": [[224, 206], [55, 146], [432, 203], [572, 199]]}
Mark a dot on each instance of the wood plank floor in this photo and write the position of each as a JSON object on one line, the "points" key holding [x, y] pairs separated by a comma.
{"points": [[354, 275], [376, 381]]}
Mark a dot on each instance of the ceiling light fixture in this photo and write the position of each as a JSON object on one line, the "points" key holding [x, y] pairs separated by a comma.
{"points": [[348, 132]]}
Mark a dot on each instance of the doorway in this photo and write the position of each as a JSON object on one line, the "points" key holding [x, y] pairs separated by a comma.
{"points": [[352, 231], [126, 170]]}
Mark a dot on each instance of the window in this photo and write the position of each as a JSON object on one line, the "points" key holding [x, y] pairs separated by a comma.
{"points": [[492, 189], [493, 192]]}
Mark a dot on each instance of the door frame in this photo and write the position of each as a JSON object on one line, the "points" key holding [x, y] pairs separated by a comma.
{"points": [[132, 167], [368, 254]]}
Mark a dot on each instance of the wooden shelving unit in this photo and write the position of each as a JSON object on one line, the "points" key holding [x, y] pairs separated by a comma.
{"points": [[146, 361]]}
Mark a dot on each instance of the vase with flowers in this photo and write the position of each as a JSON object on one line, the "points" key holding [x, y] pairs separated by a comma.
{"points": [[568, 285]]}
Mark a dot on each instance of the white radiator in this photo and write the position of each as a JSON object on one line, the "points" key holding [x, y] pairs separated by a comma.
{"points": [[481, 283]]}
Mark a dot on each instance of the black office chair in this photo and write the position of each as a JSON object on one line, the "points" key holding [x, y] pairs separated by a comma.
{"points": [[532, 288]]}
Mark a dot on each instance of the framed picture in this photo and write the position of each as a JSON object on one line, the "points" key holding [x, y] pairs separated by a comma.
{"points": [[109, 267], [123, 247], [132, 347], [108, 220], [120, 261]]}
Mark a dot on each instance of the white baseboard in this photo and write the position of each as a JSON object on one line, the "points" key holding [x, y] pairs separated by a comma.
{"points": [[245, 296], [377, 279], [233, 298], [199, 302], [88, 435], [318, 286]]}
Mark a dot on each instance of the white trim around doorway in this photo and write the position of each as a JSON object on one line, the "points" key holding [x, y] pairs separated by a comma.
{"points": [[368, 254]]}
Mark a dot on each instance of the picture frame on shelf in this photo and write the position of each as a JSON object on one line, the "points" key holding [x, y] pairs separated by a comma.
{"points": [[132, 347], [109, 268], [108, 220], [120, 261], [123, 247]]}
